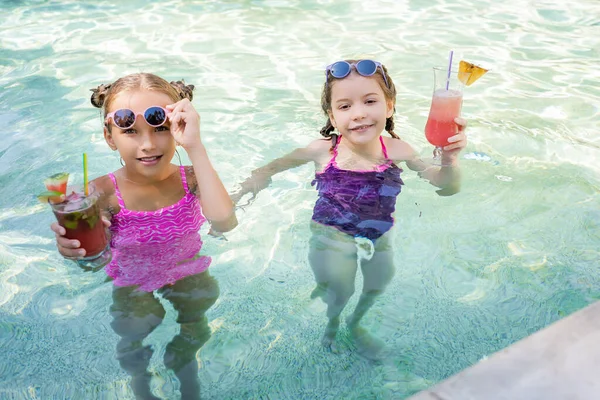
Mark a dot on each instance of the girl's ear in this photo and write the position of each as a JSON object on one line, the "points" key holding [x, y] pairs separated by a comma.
{"points": [[390, 109], [331, 119], [109, 139]]}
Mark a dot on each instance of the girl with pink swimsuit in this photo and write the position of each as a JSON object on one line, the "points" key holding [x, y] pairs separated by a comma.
{"points": [[155, 210]]}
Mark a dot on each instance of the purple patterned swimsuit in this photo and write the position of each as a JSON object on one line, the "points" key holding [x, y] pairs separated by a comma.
{"points": [[152, 249], [359, 203]]}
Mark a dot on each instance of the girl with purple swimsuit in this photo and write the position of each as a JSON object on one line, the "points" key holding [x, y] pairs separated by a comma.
{"points": [[155, 210], [358, 179]]}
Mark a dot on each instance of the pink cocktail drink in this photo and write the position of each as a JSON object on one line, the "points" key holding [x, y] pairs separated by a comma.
{"points": [[445, 107]]}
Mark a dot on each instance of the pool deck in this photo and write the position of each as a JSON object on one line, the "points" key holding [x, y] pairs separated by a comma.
{"points": [[560, 362]]}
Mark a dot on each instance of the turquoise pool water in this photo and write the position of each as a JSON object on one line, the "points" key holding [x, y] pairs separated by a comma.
{"points": [[516, 250]]}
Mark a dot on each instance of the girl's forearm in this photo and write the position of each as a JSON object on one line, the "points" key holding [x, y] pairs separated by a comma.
{"points": [[217, 206], [292, 160], [448, 180], [261, 177]]}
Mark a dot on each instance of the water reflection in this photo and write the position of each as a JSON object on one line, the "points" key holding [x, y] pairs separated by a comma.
{"points": [[136, 313]]}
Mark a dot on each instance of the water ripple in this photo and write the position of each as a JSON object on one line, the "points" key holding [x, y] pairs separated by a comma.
{"points": [[512, 253]]}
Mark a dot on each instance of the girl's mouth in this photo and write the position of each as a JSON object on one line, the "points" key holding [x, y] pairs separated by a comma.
{"points": [[149, 160], [360, 128]]}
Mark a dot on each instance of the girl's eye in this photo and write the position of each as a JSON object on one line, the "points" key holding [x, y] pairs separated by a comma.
{"points": [[343, 107], [162, 128], [129, 131], [371, 101]]}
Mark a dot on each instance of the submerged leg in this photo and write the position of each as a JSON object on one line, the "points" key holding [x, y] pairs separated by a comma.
{"points": [[377, 272], [332, 257], [135, 315], [191, 297]]}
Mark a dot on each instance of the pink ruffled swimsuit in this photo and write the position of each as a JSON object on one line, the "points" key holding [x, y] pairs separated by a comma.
{"points": [[152, 249]]}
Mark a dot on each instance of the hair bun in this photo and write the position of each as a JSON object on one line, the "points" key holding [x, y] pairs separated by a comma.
{"points": [[99, 95], [184, 91]]}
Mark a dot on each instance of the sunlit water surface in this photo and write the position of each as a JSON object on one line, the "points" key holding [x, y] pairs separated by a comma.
{"points": [[516, 250]]}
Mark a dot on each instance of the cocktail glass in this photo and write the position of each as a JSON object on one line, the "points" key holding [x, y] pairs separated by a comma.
{"points": [[446, 104], [80, 216]]}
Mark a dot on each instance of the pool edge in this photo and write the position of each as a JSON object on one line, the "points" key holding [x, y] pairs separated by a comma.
{"points": [[558, 362]]}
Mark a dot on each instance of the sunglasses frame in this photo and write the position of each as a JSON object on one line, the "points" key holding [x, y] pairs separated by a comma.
{"points": [[136, 115], [329, 70]]}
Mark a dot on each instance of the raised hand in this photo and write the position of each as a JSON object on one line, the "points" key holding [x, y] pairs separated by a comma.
{"points": [[185, 124]]}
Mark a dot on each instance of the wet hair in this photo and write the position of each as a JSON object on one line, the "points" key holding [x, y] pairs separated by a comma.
{"points": [[104, 95], [388, 91]]}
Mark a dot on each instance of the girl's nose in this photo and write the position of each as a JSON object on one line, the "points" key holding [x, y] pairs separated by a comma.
{"points": [[358, 112], [148, 141]]}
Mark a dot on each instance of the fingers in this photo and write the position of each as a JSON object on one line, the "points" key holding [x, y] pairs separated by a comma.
{"points": [[56, 228], [106, 221], [184, 120], [458, 141], [454, 146], [69, 248], [462, 123], [180, 111], [180, 105]]}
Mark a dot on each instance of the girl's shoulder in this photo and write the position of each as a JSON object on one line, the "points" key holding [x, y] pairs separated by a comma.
{"points": [[320, 145], [319, 152], [107, 194], [190, 177], [104, 185], [398, 149]]}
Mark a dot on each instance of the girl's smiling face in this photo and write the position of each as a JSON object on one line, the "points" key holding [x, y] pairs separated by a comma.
{"points": [[147, 151], [359, 108]]}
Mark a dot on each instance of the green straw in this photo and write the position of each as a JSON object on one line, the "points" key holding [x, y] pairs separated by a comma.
{"points": [[85, 175]]}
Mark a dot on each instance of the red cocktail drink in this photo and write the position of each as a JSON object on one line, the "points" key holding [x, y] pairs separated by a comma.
{"points": [[445, 107], [446, 103], [80, 216]]}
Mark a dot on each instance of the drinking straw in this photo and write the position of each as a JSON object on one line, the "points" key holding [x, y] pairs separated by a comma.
{"points": [[85, 175], [449, 69]]}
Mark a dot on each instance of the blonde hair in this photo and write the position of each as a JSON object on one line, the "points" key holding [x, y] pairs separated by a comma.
{"points": [[104, 95]]}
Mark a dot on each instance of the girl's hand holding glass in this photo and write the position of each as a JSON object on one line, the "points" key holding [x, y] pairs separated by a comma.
{"points": [[70, 248], [457, 143]]}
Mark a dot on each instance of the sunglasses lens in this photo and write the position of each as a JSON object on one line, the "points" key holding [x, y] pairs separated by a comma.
{"points": [[366, 67], [124, 118], [340, 69], [155, 116]]}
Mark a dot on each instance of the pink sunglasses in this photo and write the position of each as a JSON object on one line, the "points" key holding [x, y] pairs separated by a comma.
{"points": [[124, 118]]}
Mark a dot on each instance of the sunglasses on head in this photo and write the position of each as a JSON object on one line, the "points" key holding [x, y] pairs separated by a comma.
{"points": [[341, 69], [124, 118]]}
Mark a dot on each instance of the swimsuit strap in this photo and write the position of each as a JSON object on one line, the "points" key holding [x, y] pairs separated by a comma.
{"points": [[183, 178], [383, 148], [335, 153], [117, 192]]}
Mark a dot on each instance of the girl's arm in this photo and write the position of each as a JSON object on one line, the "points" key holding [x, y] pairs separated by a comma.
{"points": [[217, 206], [447, 177], [261, 177]]}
